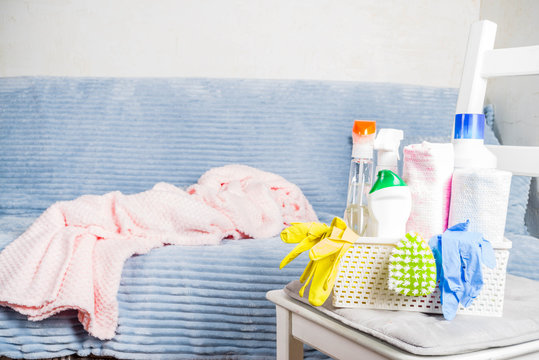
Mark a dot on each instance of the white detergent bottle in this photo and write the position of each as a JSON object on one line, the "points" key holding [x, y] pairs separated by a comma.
{"points": [[468, 143], [390, 203], [387, 144]]}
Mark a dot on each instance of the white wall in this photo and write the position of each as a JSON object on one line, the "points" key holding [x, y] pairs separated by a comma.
{"points": [[415, 41]]}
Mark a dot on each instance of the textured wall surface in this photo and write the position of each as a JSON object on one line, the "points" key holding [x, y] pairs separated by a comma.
{"points": [[415, 42]]}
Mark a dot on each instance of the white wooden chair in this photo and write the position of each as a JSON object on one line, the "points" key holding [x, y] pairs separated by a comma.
{"points": [[298, 323], [483, 62]]}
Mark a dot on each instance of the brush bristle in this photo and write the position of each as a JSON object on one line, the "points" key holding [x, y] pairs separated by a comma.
{"points": [[412, 268]]}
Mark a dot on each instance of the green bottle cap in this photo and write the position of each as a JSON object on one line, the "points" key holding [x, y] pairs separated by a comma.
{"points": [[385, 179]]}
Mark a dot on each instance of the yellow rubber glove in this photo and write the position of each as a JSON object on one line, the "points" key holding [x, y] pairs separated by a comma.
{"points": [[328, 245], [319, 292], [306, 234], [299, 231], [320, 256], [327, 255], [346, 239], [306, 276]]}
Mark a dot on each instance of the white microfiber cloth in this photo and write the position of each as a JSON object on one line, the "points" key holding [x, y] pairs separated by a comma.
{"points": [[481, 196], [428, 168]]}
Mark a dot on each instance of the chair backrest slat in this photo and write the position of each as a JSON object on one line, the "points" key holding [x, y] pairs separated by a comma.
{"points": [[511, 62], [520, 160]]}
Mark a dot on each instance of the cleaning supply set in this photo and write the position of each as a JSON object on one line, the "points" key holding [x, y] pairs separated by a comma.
{"points": [[386, 260], [385, 207]]}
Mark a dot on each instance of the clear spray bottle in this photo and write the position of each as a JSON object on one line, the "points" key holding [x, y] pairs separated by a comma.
{"points": [[360, 180]]}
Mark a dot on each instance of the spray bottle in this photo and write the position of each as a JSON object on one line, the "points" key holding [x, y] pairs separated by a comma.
{"points": [[387, 144], [361, 176]]}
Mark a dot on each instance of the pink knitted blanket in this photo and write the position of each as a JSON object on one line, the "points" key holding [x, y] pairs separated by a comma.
{"points": [[72, 256]]}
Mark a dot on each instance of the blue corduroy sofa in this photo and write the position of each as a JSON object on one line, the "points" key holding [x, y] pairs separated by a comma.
{"points": [[65, 137]]}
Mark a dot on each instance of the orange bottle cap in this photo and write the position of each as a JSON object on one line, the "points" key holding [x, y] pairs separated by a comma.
{"points": [[364, 127]]}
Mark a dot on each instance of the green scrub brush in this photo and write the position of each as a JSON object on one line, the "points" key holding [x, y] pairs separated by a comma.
{"points": [[412, 268]]}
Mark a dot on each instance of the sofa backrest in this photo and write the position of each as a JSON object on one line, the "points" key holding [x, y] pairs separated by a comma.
{"points": [[64, 137]]}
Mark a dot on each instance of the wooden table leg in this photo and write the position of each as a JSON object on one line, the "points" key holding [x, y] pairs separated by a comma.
{"points": [[288, 347]]}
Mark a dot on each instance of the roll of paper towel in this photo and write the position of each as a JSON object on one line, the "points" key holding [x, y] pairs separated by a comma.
{"points": [[481, 196], [427, 169]]}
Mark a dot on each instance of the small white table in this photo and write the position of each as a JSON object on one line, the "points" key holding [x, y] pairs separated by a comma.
{"points": [[299, 324]]}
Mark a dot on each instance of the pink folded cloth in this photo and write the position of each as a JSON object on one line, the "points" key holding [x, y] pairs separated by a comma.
{"points": [[428, 170], [72, 256]]}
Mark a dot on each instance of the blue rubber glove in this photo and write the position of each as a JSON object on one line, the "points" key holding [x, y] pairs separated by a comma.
{"points": [[459, 255]]}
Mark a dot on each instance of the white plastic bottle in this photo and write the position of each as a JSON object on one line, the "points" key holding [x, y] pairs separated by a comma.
{"points": [[387, 144], [468, 143], [356, 214], [390, 204]]}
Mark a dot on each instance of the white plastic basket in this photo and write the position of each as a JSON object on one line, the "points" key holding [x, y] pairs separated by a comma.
{"points": [[363, 273]]}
